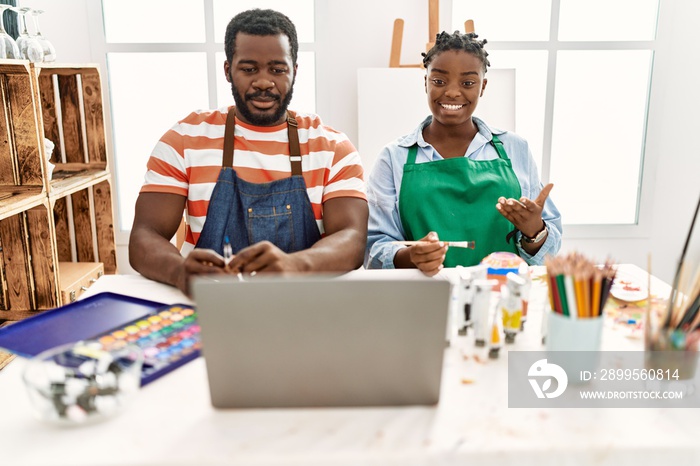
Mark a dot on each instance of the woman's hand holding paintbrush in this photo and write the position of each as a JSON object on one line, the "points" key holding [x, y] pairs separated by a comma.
{"points": [[427, 254]]}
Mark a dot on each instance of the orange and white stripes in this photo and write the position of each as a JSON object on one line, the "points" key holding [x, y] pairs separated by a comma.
{"points": [[188, 158]]}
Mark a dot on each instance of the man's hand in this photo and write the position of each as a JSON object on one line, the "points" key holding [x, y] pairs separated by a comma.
{"points": [[525, 214], [199, 262], [265, 257], [339, 250]]}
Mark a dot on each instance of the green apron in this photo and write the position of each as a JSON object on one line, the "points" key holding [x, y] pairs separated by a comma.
{"points": [[457, 198]]}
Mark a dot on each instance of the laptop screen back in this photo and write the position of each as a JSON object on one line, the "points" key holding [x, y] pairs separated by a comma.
{"points": [[320, 341]]}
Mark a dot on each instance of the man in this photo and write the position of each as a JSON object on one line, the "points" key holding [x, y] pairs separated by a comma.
{"points": [[285, 195]]}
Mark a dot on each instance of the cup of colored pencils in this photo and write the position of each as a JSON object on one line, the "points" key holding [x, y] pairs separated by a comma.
{"points": [[578, 291]]}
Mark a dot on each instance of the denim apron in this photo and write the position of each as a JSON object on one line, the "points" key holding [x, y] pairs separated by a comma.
{"points": [[279, 211], [457, 199]]}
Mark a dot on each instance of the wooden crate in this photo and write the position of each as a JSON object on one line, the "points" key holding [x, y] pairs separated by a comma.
{"points": [[43, 219], [22, 183], [28, 264], [73, 118], [76, 278], [84, 226]]}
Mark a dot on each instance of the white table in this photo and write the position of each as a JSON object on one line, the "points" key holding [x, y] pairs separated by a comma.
{"points": [[171, 421]]}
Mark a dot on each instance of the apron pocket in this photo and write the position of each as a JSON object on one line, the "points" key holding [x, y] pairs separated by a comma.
{"points": [[274, 224]]}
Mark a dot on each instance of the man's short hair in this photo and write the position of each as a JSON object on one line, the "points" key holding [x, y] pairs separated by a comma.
{"points": [[259, 22]]}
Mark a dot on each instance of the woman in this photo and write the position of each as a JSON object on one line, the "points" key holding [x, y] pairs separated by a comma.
{"points": [[456, 179]]}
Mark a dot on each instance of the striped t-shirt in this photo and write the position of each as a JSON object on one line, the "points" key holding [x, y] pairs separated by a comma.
{"points": [[188, 158]]}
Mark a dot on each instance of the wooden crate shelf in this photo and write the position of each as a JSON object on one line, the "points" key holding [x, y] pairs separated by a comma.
{"points": [[15, 199], [76, 278], [84, 226], [28, 262], [64, 217], [70, 180], [21, 140], [73, 115]]}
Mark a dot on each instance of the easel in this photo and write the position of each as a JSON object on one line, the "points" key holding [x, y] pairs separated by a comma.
{"points": [[433, 27]]}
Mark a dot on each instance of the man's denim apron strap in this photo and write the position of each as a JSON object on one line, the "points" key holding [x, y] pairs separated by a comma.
{"points": [[278, 211]]}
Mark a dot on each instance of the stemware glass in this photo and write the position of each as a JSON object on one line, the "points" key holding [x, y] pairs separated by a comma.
{"points": [[8, 46], [29, 46], [46, 45]]}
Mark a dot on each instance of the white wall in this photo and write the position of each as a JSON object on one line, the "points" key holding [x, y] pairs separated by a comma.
{"points": [[672, 160], [65, 24], [358, 35]]}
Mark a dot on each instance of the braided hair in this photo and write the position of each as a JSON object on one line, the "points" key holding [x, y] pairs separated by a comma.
{"points": [[259, 22], [457, 41]]}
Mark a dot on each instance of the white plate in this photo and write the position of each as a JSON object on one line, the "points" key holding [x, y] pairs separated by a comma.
{"points": [[628, 289]]}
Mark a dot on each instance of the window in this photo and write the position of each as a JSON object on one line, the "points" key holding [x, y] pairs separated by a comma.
{"points": [[164, 60], [583, 73]]}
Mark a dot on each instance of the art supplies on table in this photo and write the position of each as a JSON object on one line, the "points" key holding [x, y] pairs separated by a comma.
{"points": [[169, 337], [168, 334], [628, 289], [228, 250], [524, 273], [500, 264], [496, 334], [481, 307], [566, 334], [578, 289], [452, 244], [679, 326], [511, 305], [467, 276], [80, 382], [73, 322]]}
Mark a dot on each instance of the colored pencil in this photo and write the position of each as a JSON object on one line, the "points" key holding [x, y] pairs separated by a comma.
{"points": [[562, 295], [571, 299], [597, 279], [555, 295]]}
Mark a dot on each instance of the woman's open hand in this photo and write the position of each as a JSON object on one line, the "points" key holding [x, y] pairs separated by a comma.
{"points": [[525, 214]]}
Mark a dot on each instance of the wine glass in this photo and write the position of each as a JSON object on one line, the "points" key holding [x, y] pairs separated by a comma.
{"points": [[46, 45], [29, 46], [8, 46]]}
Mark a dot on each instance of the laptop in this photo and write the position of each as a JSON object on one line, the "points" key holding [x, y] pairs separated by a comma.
{"points": [[322, 341]]}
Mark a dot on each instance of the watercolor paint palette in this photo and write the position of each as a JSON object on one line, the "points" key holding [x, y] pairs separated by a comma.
{"points": [[109, 318], [169, 337]]}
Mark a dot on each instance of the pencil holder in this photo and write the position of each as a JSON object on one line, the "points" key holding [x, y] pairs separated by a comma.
{"points": [[574, 343], [567, 334]]}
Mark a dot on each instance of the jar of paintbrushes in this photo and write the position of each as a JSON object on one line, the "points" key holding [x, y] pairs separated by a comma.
{"points": [[672, 336]]}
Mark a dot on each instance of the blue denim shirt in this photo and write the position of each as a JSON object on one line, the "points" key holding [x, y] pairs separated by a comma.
{"points": [[384, 185]]}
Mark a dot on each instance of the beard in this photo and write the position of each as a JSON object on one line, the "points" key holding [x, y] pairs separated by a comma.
{"points": [[258, 119]]}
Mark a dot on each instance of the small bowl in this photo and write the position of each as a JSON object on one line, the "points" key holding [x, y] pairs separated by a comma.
{"points": [[80, 382]]}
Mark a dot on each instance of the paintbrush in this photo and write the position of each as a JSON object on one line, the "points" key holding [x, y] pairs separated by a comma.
{"points": [[453, 244], [674, 288]]}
